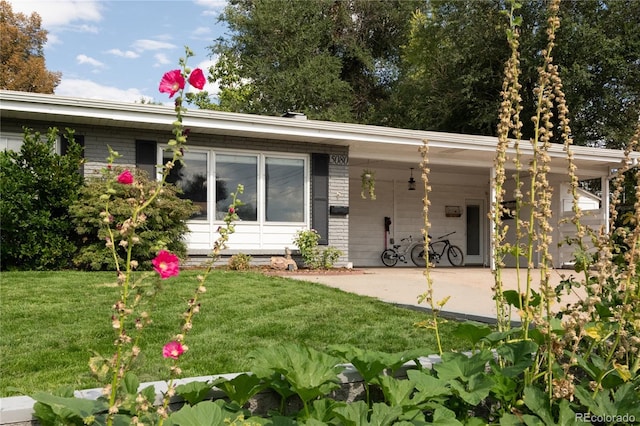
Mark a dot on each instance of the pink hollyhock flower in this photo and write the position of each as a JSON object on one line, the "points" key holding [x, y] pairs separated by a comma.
{"points": [[171, 82], [166, 264], [125, 178], [172, 350], [232, 210], [196, 79]]}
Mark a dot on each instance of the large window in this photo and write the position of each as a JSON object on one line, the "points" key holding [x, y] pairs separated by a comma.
{"points": [[191, 177], [232, 170], [284, 182], [275, 188]]}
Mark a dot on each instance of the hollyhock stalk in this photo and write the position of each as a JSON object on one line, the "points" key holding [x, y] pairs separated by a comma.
{"points": [[172, 84]]}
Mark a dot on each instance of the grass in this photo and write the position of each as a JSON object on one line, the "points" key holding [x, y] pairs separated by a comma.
{"points": [[51, 322]]}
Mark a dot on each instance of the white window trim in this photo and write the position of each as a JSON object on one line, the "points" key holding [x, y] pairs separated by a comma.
{"points": [[7, 137], [261, 189]]}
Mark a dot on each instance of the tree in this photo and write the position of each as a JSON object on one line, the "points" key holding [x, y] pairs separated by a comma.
{"points": [[22, 63], [330, 59], [451, 71]]}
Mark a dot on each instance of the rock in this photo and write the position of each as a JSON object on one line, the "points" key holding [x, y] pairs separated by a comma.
{"points": [[283, 264]]}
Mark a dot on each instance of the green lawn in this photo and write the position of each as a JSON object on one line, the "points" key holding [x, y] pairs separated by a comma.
{"points": [[52, 321]]}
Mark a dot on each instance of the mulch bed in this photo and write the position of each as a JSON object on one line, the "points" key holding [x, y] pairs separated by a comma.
{"points": [[304, 271]]}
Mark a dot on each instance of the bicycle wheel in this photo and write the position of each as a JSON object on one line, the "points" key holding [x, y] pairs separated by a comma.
{"points": [[389, 257], [454, 254], [417, 255]]}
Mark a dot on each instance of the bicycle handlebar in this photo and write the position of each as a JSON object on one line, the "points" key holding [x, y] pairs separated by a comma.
{"points": [[442, 236]]}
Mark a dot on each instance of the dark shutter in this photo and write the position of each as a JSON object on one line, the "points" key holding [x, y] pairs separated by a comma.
{"points": [[64, 147], [320, 196], [146, 157]]}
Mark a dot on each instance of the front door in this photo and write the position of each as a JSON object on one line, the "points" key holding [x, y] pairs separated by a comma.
{"points": [[475, 214]]}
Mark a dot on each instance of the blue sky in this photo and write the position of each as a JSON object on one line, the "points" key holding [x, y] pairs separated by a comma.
{"points": [[119, 49]]}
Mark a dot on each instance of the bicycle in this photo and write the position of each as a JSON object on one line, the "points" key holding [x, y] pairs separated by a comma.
{"points": [[454, 253], [391, 256]]}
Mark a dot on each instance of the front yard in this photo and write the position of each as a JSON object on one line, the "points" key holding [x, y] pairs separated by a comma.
{"points": [[52, 322]]}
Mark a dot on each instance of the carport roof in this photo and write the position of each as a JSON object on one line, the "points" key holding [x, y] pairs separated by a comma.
{"points": [[373, 143]]}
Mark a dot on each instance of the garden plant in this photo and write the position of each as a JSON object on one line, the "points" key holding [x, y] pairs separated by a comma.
{"points": [[38, 187], [313, 256], [569, 367]]}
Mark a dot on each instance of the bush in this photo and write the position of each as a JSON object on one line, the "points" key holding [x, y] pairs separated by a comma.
{"points": [[164, 226], [240, 262], [312, 255], [38, 186]]}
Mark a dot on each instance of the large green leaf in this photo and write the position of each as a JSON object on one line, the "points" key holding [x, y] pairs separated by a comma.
{"points": [[428, 387], [475, 390], [625, 400], [397, 392], [460, 366], [519, 420], [68, 409], [519, 356], [311, 373], [354, 414], [205, 413], [241, 388], [371, 364], [194, 392], [538, 403], [442, 416], [472, 331], [130, 383]]}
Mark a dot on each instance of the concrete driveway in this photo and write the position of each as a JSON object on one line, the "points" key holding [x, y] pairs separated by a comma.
{"points": [[469, 288]]}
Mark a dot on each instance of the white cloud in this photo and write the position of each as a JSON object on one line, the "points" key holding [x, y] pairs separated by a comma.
{"points": [[161, 59], [201, 32], [212, 4], [86, 29], [129, 54], [84, 59], [60, 12], [213, 7], [142, 45], [79, 88]]}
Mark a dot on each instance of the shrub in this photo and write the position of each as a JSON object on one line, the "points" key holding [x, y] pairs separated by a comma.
{"points": [[240, 262], [164, 226], [38, 186], [312, 255]]}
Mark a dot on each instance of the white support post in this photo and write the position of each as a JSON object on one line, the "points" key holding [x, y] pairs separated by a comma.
{"points": [[605, 204]]}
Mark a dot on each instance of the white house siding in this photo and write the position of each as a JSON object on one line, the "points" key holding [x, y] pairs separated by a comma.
{"points": [[561, 253], [404, 207]]}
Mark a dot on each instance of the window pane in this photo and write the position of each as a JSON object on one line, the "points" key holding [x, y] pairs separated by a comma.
{"points": [[191, 177], [232, 170], [284, 189]]}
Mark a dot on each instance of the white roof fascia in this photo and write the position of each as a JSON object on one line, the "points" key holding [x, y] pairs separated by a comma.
{"points": [[274, 127]]}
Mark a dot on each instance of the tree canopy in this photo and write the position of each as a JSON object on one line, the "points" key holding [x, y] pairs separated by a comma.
{"points": [[331, 60], [22, 63], [452, 67], [434, 65]]}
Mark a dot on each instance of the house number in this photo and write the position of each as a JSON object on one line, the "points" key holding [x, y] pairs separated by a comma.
{"points": [[341, 160]]}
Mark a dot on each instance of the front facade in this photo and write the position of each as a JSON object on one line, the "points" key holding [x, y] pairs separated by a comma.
{"points": [[301, 174]]}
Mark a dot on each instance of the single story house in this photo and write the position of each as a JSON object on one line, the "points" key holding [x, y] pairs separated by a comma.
{"points": [[301, 174]]}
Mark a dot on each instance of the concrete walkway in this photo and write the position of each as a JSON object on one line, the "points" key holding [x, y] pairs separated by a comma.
{"points": [[469, 288]]}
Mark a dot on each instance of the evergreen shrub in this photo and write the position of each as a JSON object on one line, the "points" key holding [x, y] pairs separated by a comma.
{"points": [[164, 227], [38, 186]]}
